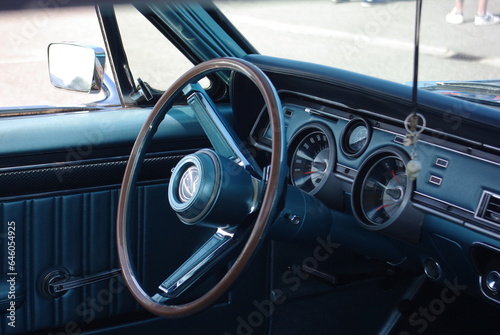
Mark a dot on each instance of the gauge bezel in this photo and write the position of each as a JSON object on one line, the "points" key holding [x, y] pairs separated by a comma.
{"points": [[347, 150], [358, 187], [297, 139]]}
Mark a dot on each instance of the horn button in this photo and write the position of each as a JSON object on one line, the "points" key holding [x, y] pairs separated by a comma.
{"points": [[211, 190], [189, 183]]}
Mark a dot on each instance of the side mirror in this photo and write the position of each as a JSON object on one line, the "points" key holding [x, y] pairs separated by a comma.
{"points": [[76, 67]]}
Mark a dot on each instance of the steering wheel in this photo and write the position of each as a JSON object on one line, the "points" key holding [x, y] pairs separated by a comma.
{"points": [[223, 188]]}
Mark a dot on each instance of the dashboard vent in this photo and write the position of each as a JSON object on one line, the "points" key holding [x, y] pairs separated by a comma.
{"points": [[489, 208]]}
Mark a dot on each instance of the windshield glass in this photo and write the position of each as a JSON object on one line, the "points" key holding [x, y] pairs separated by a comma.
{"points": [[373, 37]]}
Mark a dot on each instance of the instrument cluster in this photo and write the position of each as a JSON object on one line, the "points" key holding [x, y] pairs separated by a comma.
{"points": [[376, 189]]}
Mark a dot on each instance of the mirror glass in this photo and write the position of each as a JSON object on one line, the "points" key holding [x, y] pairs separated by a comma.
{"points": [[76, 67]]}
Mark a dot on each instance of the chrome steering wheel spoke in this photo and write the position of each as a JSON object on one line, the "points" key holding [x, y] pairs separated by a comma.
{"points": [[219, 132], [202, 261]]}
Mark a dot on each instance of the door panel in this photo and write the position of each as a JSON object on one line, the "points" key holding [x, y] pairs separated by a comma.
{"points": [[73, 234]]}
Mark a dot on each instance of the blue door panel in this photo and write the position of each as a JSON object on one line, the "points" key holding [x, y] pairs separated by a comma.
{"points": [[73, 233]]}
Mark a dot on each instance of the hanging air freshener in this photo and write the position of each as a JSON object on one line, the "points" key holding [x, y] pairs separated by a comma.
{"points": [[414, 166]]}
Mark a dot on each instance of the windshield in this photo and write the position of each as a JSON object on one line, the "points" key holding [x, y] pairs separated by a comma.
{"points": [[373, 37]]}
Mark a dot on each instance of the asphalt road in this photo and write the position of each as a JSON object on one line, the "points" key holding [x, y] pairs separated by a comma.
{"points": [[377, 41]]}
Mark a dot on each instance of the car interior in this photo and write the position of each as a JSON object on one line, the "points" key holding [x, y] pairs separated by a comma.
{"points": [[252, 194]]}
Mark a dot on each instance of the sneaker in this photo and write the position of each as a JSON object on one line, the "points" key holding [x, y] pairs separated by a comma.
{"points": [[454, 17], [367, 3], [486, 20]]}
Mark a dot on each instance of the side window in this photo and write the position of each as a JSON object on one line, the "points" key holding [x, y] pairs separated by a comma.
{"points": [[150, 55], [25, 35]]}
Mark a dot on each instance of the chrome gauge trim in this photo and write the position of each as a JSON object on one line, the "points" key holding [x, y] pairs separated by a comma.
{"points": [[381, 191], [312, 157], [355, 137]]}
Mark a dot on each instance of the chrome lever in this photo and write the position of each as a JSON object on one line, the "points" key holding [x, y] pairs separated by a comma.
{"points": [[196, 266], [61, 284]]}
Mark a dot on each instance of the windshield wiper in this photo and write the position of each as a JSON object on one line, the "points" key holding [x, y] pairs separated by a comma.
{"points": [[470, 86], [484, 92]]}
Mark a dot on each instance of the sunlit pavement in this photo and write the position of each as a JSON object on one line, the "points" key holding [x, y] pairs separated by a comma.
{"points": [[376, 40]]}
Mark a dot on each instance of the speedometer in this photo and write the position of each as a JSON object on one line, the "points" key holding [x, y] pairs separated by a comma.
{"points": [[311, 161], [383, 190], [312, 158], [381, 195]]}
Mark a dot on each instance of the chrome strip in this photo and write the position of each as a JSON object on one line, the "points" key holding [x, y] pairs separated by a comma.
{"points": [[444, 202], [198, 264], [329, 116], [66, 285], [198, 100], [491, 147]]}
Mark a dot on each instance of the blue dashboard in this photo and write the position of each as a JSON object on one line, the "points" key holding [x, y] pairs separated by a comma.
{"points": [[346, 147]]}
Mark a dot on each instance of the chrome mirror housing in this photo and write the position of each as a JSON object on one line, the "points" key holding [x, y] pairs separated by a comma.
{"points": [[76, 67]]}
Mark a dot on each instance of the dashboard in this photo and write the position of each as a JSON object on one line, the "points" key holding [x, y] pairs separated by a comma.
{"points": [[351, 155]]}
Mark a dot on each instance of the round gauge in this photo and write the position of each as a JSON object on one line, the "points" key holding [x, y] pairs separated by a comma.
{"points": [[312, 158], [381, 190], [358, 138], [355, 137]]}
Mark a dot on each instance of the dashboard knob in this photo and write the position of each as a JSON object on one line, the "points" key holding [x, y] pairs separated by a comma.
{"points": [[432, 269], [493, 281]]}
